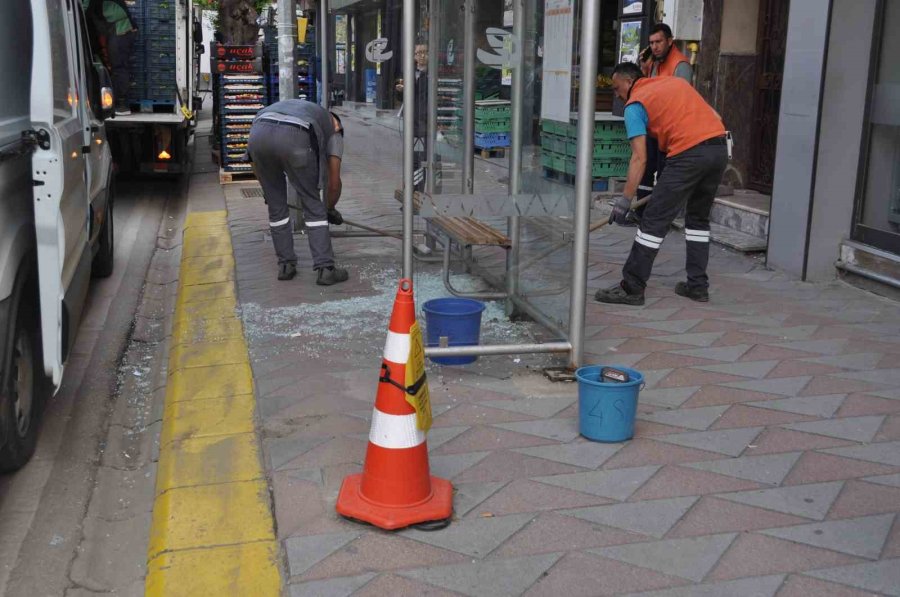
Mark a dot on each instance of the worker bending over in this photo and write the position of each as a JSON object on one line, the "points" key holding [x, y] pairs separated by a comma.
{"points": [[692, 135], [304, 142]]}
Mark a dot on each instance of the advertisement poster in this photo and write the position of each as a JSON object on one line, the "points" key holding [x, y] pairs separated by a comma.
{"points": [[630, 41], [559, 27], [632, 7]]}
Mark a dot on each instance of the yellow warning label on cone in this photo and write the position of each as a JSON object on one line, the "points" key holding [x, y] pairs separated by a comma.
{"points": [[415, 374]]}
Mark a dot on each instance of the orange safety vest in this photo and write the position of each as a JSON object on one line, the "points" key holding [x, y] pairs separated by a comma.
{"points": [[667, 67], [679, 117]]}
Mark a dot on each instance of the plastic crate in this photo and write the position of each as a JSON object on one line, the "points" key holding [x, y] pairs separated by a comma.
{"points": [[161, 9], [617, 149], [489, 110], [497, 125], [554, 143], [600, 168], [491, 140], [610, 131]]}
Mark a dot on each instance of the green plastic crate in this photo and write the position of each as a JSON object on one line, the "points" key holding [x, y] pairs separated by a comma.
{"points": [[616, 149], [494, 125], [610, 131], [554, 143], [492, 112], [600, 168]]}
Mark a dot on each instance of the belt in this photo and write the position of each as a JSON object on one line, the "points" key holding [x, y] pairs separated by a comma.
{"points": [[713, 141], [313, 140]]}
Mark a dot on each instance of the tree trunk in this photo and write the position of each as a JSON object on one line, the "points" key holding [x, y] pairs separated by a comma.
{"points": [[237, 22]]}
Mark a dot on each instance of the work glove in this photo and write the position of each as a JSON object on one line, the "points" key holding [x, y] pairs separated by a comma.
{"points": [[334, 217], [620, 211]]}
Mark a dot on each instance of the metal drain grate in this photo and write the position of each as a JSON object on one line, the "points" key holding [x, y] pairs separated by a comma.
{"points": [[251, 192]]}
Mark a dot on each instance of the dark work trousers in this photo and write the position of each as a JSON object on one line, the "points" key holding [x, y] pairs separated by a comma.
{"points": [[120, 48], [280, 150], [691, 177], [656, 162]]}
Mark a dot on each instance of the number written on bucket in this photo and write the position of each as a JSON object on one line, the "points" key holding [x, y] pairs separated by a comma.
{"points": [[415, 376]]}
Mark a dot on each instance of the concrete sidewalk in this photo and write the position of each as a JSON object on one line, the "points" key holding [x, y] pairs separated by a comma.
{"points": [[766, 460]]}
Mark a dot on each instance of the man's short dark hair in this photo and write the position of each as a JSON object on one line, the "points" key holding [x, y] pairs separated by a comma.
{"points": [[662, 27], [629, 70]]}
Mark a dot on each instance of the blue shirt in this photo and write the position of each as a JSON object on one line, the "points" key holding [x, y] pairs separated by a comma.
{"points": [[636, 120]]}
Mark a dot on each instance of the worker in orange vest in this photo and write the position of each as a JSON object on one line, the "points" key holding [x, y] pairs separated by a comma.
{"points": [[692, 135], [662, 58]]}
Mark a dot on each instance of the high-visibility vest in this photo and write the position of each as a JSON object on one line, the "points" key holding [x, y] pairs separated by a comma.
{"points": [[679, 117], [667, 67]]}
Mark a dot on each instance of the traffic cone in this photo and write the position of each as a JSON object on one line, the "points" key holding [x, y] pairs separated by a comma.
{"points": [[396, 489]]}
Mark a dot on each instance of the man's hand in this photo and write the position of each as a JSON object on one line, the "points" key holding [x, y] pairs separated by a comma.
{"points": [[619, 215], [334, 217]]}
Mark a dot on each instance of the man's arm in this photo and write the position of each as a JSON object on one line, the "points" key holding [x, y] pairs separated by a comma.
{"points": [[637, 166], [333, 192], [684, 71]]}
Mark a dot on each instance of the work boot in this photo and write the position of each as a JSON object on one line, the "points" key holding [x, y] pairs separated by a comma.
{"points": [[617, 295], [327, 276], [701, 295], [287, 271]]}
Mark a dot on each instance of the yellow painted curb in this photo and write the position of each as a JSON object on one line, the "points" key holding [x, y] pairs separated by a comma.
{"points": [[213, 531]]}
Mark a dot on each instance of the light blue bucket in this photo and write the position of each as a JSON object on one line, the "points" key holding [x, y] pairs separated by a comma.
{"points": [[606, 411]]}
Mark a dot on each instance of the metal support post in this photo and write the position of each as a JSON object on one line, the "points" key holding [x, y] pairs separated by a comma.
{"points": [[517, 141], [323, 53], [468, 142], [590, 25], [287, 42], [433, 40], [409, 122]]}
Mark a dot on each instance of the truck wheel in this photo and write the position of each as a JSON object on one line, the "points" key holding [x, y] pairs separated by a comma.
{"points": [[102, 267], [21, 401]]}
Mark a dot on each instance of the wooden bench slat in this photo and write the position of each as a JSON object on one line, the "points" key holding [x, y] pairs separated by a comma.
{"points": [[464, 229]]}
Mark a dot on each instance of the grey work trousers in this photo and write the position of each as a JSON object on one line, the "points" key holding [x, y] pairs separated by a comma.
{"points": [[281, 149]]}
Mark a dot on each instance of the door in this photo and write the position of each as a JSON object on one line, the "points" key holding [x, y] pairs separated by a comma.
{"points": [[61, 198], [771, 42]]}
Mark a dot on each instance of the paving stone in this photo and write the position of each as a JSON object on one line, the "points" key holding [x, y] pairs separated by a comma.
{"points": [[564, 430], [475, 537], [863, 537], [506, 466], [712, 395], [469, 495], [758, 555], [769, 469], [712, 516], [809, 501], [891, 393], [552, 532], [677, 481], [826, 384], [731, 442], [476, 414], [676, 326], [890, 431], [764, 352], [815, 467], [587, 575], [695, 377], [727, 354], [653, 377], [704, 339], [281, 451], [482, 438], [802, 586], [438, 436], [615, 484], [886, 377], [305, 552], [891, 480], [885, 452], [859, 405], [497, 578], [862, 361], [585, 454], [865, 499], [668, 397], [798, 368], [690, 558], [785, 386], [524, 495], [826, 347], [859, 429], [447, 467], [654, 517], [535, 407], [740, 415], [335, 587], [644, 451], [817, 406], [650, 314], [691, 418], [801, 332], [397, 586], [776, 440], [754, 369], [761, 586]]}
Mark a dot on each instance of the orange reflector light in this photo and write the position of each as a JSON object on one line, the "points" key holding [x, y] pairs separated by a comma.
{"points": [[164, 155], [106, 97]]}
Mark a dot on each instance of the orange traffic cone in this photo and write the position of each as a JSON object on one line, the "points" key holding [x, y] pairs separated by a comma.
{"points": [[396, 489]]}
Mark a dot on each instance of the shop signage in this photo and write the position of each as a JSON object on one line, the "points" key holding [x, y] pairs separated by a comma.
{"points": [[375, 51]]}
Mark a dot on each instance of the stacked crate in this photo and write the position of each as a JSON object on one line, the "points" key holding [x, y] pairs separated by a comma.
{"points": [[305, 55], [153, 83], [240, 92], [559, 146], [492, 124]]}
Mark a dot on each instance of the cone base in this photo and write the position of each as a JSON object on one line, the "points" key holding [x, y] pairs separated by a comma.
{"points": [[351, 504]]}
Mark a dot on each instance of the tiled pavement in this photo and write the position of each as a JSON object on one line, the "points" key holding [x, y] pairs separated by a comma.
{"points": [[766, 460]]}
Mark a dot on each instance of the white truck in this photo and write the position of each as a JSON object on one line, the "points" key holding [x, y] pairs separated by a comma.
{"points": [[154, 138], [56, 203]]}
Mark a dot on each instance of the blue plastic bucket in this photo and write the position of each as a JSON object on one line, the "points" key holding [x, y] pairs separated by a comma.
{"points": [[606, 411], [459, 319]]}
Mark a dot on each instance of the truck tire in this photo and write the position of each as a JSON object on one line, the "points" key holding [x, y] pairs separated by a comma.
{"points": [[102, 267], [21, 400]]}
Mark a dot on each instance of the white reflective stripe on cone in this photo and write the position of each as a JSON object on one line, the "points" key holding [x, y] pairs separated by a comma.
{"points": [[648, 240], [280, 222], [316, 224], [396, 432], [396, 348]]}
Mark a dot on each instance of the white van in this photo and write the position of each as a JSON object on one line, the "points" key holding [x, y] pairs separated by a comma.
{"points": [[56, 204]]}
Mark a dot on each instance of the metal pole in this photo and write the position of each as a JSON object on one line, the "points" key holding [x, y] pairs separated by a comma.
{"points": [[323, 53], [431, 140], [287, 42], [409, 123], [468, 141], [587, 96], [517, 141], [497, 349]]}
